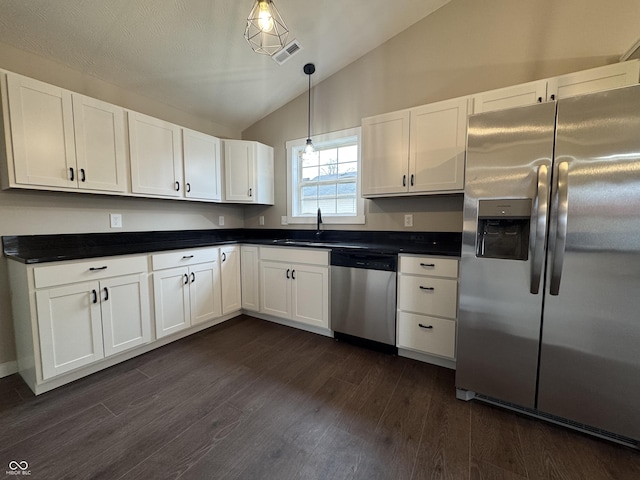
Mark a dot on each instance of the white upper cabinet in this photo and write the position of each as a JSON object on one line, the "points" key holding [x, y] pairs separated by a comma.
{"points": [[41, 119], [64, 139], [100, 145], [385, 153], [437, 146], [249, 172], [594, 80], [415, 151], [201, 166], [569, 85], [156, 156], [510, 97]]}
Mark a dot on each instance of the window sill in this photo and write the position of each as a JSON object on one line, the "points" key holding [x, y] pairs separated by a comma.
{"points": [[327, 220]]}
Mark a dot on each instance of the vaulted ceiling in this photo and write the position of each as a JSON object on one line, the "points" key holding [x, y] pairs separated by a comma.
{"points": [[191, 54]]}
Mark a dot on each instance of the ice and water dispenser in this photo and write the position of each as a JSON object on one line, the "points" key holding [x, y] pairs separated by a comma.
{"points": [[503, 228]]}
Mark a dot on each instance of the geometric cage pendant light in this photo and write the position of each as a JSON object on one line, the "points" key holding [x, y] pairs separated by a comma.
{"points": [[266, 31]]}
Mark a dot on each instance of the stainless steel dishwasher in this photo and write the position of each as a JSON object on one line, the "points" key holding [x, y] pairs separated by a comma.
{"points": [[363, 298]]}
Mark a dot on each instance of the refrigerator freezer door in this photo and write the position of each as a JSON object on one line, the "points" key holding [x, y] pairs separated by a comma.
{"points": [[508, 157], [590, 352]]}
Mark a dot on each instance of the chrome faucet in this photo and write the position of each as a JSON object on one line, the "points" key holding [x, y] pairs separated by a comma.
{"points": [[318, 232]]}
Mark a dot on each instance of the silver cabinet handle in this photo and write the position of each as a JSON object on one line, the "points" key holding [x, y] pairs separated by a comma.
{"points": [[542, 198], [562, 191]]}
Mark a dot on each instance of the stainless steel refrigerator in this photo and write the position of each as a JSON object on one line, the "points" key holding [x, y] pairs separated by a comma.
{"points": [[549, 317]]}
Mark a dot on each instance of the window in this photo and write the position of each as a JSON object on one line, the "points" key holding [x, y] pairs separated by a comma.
{"points": [[329, 180]]}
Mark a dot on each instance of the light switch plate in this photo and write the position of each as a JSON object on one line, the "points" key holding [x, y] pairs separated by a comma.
{"points": [[221, 220], [408, 220], [261, 219], [116, 220], [283, 220]]}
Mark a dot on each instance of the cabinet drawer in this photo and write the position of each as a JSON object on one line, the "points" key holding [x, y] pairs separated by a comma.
{"points": [[436, 336], [436, 267], [295, 255], [96, 269], [430, 296], [182, 258]]}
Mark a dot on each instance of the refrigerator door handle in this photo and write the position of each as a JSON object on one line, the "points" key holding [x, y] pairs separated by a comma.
{"points": [[561, 229], [541, 228]]}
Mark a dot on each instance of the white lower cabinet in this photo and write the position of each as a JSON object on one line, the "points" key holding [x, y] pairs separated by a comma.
{"points": [[427, 305], [294, 285], [250, 278], [230, 278], [188, 294], [85, 311]]}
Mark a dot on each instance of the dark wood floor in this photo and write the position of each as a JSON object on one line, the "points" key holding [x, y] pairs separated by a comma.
{"points": [[254, 400]]}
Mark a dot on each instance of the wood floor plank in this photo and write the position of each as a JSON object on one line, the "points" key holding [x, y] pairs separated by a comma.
{"points": [[362, 412], [397, 436], [338, 455], [444, 444], [495, 440], [481, 470], [180, 454]]}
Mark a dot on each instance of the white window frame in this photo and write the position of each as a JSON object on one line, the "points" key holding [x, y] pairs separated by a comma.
{"points": [[292, 147]]}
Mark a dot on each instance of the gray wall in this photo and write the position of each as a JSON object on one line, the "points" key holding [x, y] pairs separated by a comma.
{"points": [[465, 47]]}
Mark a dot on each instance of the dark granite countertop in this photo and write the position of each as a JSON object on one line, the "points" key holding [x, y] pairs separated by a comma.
{"points": [[50, 248]]}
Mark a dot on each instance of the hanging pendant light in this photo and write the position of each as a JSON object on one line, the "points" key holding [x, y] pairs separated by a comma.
{"points": [[309, 150], [266, 32]]}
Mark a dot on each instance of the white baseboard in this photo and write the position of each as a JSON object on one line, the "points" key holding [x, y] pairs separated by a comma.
{"points": [[8, 368]]}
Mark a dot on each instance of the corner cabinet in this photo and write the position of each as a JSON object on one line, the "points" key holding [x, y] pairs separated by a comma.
{"points": [[62, 139], [249, 174], [249, 277], [294, 285], [428, 306], [230, 275], [415, 151]]}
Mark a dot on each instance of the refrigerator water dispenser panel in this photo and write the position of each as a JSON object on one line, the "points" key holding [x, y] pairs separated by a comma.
{"points": [[503, 229]]}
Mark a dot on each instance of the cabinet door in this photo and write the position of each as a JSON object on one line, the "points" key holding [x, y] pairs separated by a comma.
{"points": [[204, 292], [69, 327], [100, 144], [239, 162], [201, 165], [594, 80], [171, 300], [249, 277], [41, 119], [437, 148], [275, 289], [264, 182], [385, 154], [510, 97], [156, 156], [310, 295], [230, 279], [126, 321]]}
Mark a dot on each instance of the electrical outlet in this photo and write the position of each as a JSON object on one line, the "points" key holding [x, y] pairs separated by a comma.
{"points": [[116, 220], [408, 220], [283, 220], [261, 220], [221, 220]]}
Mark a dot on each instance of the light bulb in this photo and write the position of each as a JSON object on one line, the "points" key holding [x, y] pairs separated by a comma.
{"points": [[309, 152], [265, 20]]}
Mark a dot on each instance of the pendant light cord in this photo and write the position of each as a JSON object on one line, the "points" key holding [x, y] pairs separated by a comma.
{"points": [[309, 110]]}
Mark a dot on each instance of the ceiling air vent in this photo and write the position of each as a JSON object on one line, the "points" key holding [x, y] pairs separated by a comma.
{"points": [[287, 52]]}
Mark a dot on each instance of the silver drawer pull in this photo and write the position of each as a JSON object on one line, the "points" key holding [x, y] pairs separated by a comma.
{"points": [[430, 265], [428, 327], [187, 257], [431, 289], [93, 269]]}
